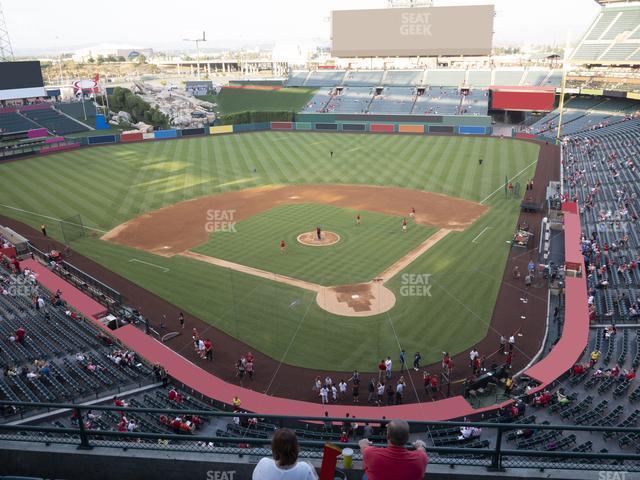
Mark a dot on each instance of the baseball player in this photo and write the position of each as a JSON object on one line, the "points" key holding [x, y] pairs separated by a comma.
{"points": [[283, 246], [404, 225]]}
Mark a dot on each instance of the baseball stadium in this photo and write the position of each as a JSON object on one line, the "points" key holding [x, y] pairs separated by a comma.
{"points": [[409, 242]]}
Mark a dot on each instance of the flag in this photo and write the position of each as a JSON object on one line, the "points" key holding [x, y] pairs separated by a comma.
{"points": [[96, 83]]}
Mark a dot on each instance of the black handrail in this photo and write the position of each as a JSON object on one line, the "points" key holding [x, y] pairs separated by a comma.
{"points": [[493, 456], [313, 419]]}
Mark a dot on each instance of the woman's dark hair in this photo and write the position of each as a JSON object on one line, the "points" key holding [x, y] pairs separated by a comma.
{"points": [[284, 447]]}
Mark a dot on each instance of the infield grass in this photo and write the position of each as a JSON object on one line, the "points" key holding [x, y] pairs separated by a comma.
{"points": [[109, 185], [363, 252]]}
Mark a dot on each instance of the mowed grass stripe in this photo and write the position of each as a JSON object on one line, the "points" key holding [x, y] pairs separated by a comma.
{"points": [[265, 313]]}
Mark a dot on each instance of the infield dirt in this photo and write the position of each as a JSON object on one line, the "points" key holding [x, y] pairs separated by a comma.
{"points": [[182, 226]]}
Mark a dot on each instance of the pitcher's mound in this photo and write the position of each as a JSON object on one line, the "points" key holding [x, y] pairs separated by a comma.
{"points": [[311, 239]]}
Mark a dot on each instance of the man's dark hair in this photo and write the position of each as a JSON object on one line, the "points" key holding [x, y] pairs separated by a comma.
{"points": [[284, 447], [398, 432]]}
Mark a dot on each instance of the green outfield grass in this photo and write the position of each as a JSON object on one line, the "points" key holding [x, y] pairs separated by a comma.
{"points": [[232, 100], [109, 185], [363, 252]]}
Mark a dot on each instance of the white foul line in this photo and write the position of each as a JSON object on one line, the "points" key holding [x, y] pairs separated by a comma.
{"points": [[51, 218], [502, 186], [164, 269], [484, 230]]}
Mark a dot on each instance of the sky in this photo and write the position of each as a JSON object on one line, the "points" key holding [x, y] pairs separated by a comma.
{"points": [[69, 24]]}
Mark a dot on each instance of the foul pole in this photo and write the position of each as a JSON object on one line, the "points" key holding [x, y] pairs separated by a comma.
{"points": [[562, 87]]}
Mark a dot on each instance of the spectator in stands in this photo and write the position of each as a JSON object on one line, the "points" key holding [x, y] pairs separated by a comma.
{"points": [[156, 372], [327, 425], [508, 386], [367, 430], [562, 398], [20, 334], [578, 369], [284, 464], [595, 356], [468, 432], [394, 461], [543, 399]]}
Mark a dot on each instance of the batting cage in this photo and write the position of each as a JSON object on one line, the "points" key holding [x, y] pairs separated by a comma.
{"points": [[72, 228]]}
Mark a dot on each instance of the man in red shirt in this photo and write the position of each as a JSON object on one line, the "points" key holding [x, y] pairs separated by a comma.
{"points": [[20, 334], [382, 368], [208, 349], [394, 461]]}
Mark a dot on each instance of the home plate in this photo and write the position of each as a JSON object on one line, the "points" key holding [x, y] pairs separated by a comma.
{"points": [[355, 296]]}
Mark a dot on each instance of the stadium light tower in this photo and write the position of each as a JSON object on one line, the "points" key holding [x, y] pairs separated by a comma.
{"points": [[6, 51], [197, 42]]}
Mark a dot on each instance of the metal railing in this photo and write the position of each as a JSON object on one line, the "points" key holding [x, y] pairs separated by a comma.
{"points": [[103, 293], [314, 434]]}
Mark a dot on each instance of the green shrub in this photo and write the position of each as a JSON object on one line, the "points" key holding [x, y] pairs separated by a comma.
{"points": [[256, 117]]}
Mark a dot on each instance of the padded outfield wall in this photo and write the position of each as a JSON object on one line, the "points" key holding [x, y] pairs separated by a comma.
{"points": [[452, 124], [324, 122]]}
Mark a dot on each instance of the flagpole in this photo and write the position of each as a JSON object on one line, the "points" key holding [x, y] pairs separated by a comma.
{"points": [[106, 96], [84, 109]]}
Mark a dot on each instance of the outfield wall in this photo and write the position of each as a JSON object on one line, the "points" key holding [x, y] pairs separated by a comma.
{"points": [[421, 125], [318, 122]]}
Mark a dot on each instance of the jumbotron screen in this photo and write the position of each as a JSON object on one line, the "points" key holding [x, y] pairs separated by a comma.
{"points": [[410, 32], [21, 80]]}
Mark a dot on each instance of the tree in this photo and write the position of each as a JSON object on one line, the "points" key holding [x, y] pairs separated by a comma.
{"points": [[141, 59]]}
